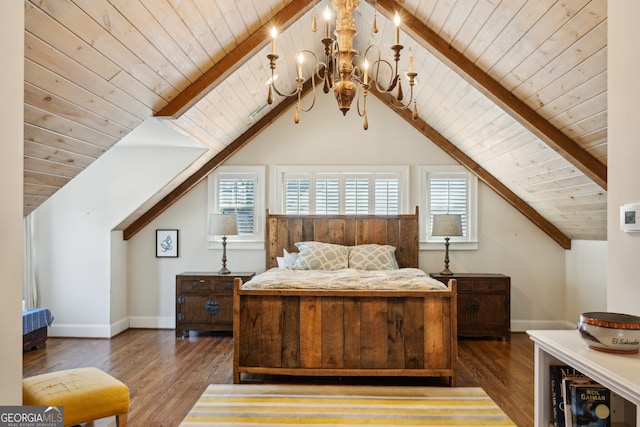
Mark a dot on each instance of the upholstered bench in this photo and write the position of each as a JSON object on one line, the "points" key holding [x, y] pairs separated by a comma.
{"points": [[87, 394]]}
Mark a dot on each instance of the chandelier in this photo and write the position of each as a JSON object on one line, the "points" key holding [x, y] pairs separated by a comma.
{"points": [[344, 70]]}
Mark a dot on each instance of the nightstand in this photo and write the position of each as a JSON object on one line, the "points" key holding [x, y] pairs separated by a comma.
{"points": [[204, 301], [484, 304]]}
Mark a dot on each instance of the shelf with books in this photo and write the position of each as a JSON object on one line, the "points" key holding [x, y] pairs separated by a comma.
{"points": [[618, 373]]}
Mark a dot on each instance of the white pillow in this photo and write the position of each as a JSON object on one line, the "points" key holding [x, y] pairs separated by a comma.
{"points": [[373, 257], [287, 260], [321, 256]]}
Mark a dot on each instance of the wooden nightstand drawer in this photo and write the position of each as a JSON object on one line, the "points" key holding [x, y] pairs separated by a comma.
{"points": [[195, 284], [464, 285], [489, 286], [224, 286]]}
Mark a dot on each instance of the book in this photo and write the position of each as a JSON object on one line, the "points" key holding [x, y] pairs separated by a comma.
{"points": [[558, 372], [568, 386], [590, 405]]}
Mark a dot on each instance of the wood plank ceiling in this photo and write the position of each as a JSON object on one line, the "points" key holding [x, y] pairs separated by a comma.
{"points": [[514, 89]]}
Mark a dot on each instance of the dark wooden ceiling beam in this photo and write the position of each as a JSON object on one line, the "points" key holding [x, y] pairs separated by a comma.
{"points": [[233, 60], [492, 89], [496, 185]]}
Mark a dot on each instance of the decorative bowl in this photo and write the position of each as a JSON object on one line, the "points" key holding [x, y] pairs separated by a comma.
{"points": [[610, 332]]}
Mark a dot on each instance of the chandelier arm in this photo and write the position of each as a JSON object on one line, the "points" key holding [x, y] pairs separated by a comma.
{"points": [[298, 89], [363, 95], [375, 69], [399, 105], [313, 90], [376, 73]]}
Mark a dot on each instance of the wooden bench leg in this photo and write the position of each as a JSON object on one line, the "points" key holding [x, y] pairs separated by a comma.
{"points": [[121, 420]]}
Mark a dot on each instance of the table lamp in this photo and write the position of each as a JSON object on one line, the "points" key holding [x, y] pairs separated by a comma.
{"points": [[223, 225], [446, 225]]}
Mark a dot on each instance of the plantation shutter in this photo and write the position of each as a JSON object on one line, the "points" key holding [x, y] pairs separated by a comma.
{"points": [[237, 196], [387, 196], [356, 196], [297, 197], [327, 195], [449, 195]]}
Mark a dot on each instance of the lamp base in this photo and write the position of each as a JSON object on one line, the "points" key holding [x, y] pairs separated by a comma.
{"points": [[224, 269], [446, 270]]}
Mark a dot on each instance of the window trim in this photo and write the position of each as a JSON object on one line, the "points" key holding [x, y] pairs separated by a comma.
{"points": [[279, 173], [469, 242], [257, 173]]}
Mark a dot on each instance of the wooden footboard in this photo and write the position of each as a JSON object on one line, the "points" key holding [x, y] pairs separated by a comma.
{"points": [[345, 332]]}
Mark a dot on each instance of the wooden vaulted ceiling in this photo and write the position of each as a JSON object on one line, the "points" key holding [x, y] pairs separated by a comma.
{"points": [[515, 90]]}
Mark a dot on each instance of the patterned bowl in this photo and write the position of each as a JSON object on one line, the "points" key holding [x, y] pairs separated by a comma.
{"points": [[610, 332]]}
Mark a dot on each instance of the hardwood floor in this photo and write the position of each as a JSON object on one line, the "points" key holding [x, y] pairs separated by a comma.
{"points": [[166, 375]]}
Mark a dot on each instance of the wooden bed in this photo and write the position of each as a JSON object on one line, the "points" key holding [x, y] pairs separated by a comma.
{"points": [[341, 332]]}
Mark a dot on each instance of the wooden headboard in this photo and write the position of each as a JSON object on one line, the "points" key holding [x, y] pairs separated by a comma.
{"points": [[401, 231]]}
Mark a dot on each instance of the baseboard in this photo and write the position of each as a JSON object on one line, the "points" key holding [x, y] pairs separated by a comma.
{"points": [[119, 327], [152, 322], [109, 331], [141, 322], [80, 331], [526, 325]]}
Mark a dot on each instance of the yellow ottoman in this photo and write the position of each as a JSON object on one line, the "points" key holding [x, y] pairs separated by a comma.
{"points": [[87, 394]]}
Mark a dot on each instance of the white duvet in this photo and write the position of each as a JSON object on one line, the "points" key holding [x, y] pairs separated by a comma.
{"points": [[400, 279]]}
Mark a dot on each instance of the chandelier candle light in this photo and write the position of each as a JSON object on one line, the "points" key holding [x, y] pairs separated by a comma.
{"points": [[447, 225], [223, 225], [343, 69]]}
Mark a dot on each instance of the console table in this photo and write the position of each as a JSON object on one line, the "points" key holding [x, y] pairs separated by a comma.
{"points": [[620, 373]]}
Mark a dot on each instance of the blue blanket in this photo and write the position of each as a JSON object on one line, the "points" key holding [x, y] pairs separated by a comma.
{"points": [[35, 318]]}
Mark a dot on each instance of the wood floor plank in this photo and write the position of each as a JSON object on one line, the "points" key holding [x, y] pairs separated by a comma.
{"points": [[166, 375]]}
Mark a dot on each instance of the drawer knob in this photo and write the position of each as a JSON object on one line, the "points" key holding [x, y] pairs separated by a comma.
{"points": [[212, 306]]}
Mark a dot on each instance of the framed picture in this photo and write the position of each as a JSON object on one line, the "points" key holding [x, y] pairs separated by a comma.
{"points": [[166, 243]]}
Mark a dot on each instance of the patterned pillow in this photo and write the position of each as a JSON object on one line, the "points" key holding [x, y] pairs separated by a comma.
{"points": [[373, 257], [321, 256]]}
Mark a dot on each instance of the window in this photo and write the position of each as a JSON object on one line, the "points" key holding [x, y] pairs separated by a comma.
{"points": [[359, 191], [239, 190], [449, 189], [237, 195]]}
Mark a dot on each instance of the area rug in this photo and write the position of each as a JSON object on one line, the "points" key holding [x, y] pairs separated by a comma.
{"points": [[327, 405]]}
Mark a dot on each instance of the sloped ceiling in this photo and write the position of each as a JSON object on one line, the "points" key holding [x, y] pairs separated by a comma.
{"points": [[515, 90]]}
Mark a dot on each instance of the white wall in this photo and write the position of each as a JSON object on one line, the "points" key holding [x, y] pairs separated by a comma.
{"points": [[11, 179], [586, 279], [623, 274], [81, 267], [509, 243]]}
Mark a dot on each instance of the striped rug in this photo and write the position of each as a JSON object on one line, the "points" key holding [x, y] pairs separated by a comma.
{"points": [[323, 405]]}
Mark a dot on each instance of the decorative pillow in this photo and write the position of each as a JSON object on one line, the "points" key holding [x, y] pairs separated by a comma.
{"points": [[373, 257], [287, 260], [321, 256]]}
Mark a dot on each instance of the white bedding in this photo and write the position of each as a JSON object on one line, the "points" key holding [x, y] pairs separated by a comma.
{"points": [[348, 278]]}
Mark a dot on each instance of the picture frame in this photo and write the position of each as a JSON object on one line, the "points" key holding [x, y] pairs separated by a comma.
{"points": [[167, 243]]}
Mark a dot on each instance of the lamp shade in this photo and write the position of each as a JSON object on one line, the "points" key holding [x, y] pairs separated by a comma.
{"points": [[447, 225], [223, 225]]}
